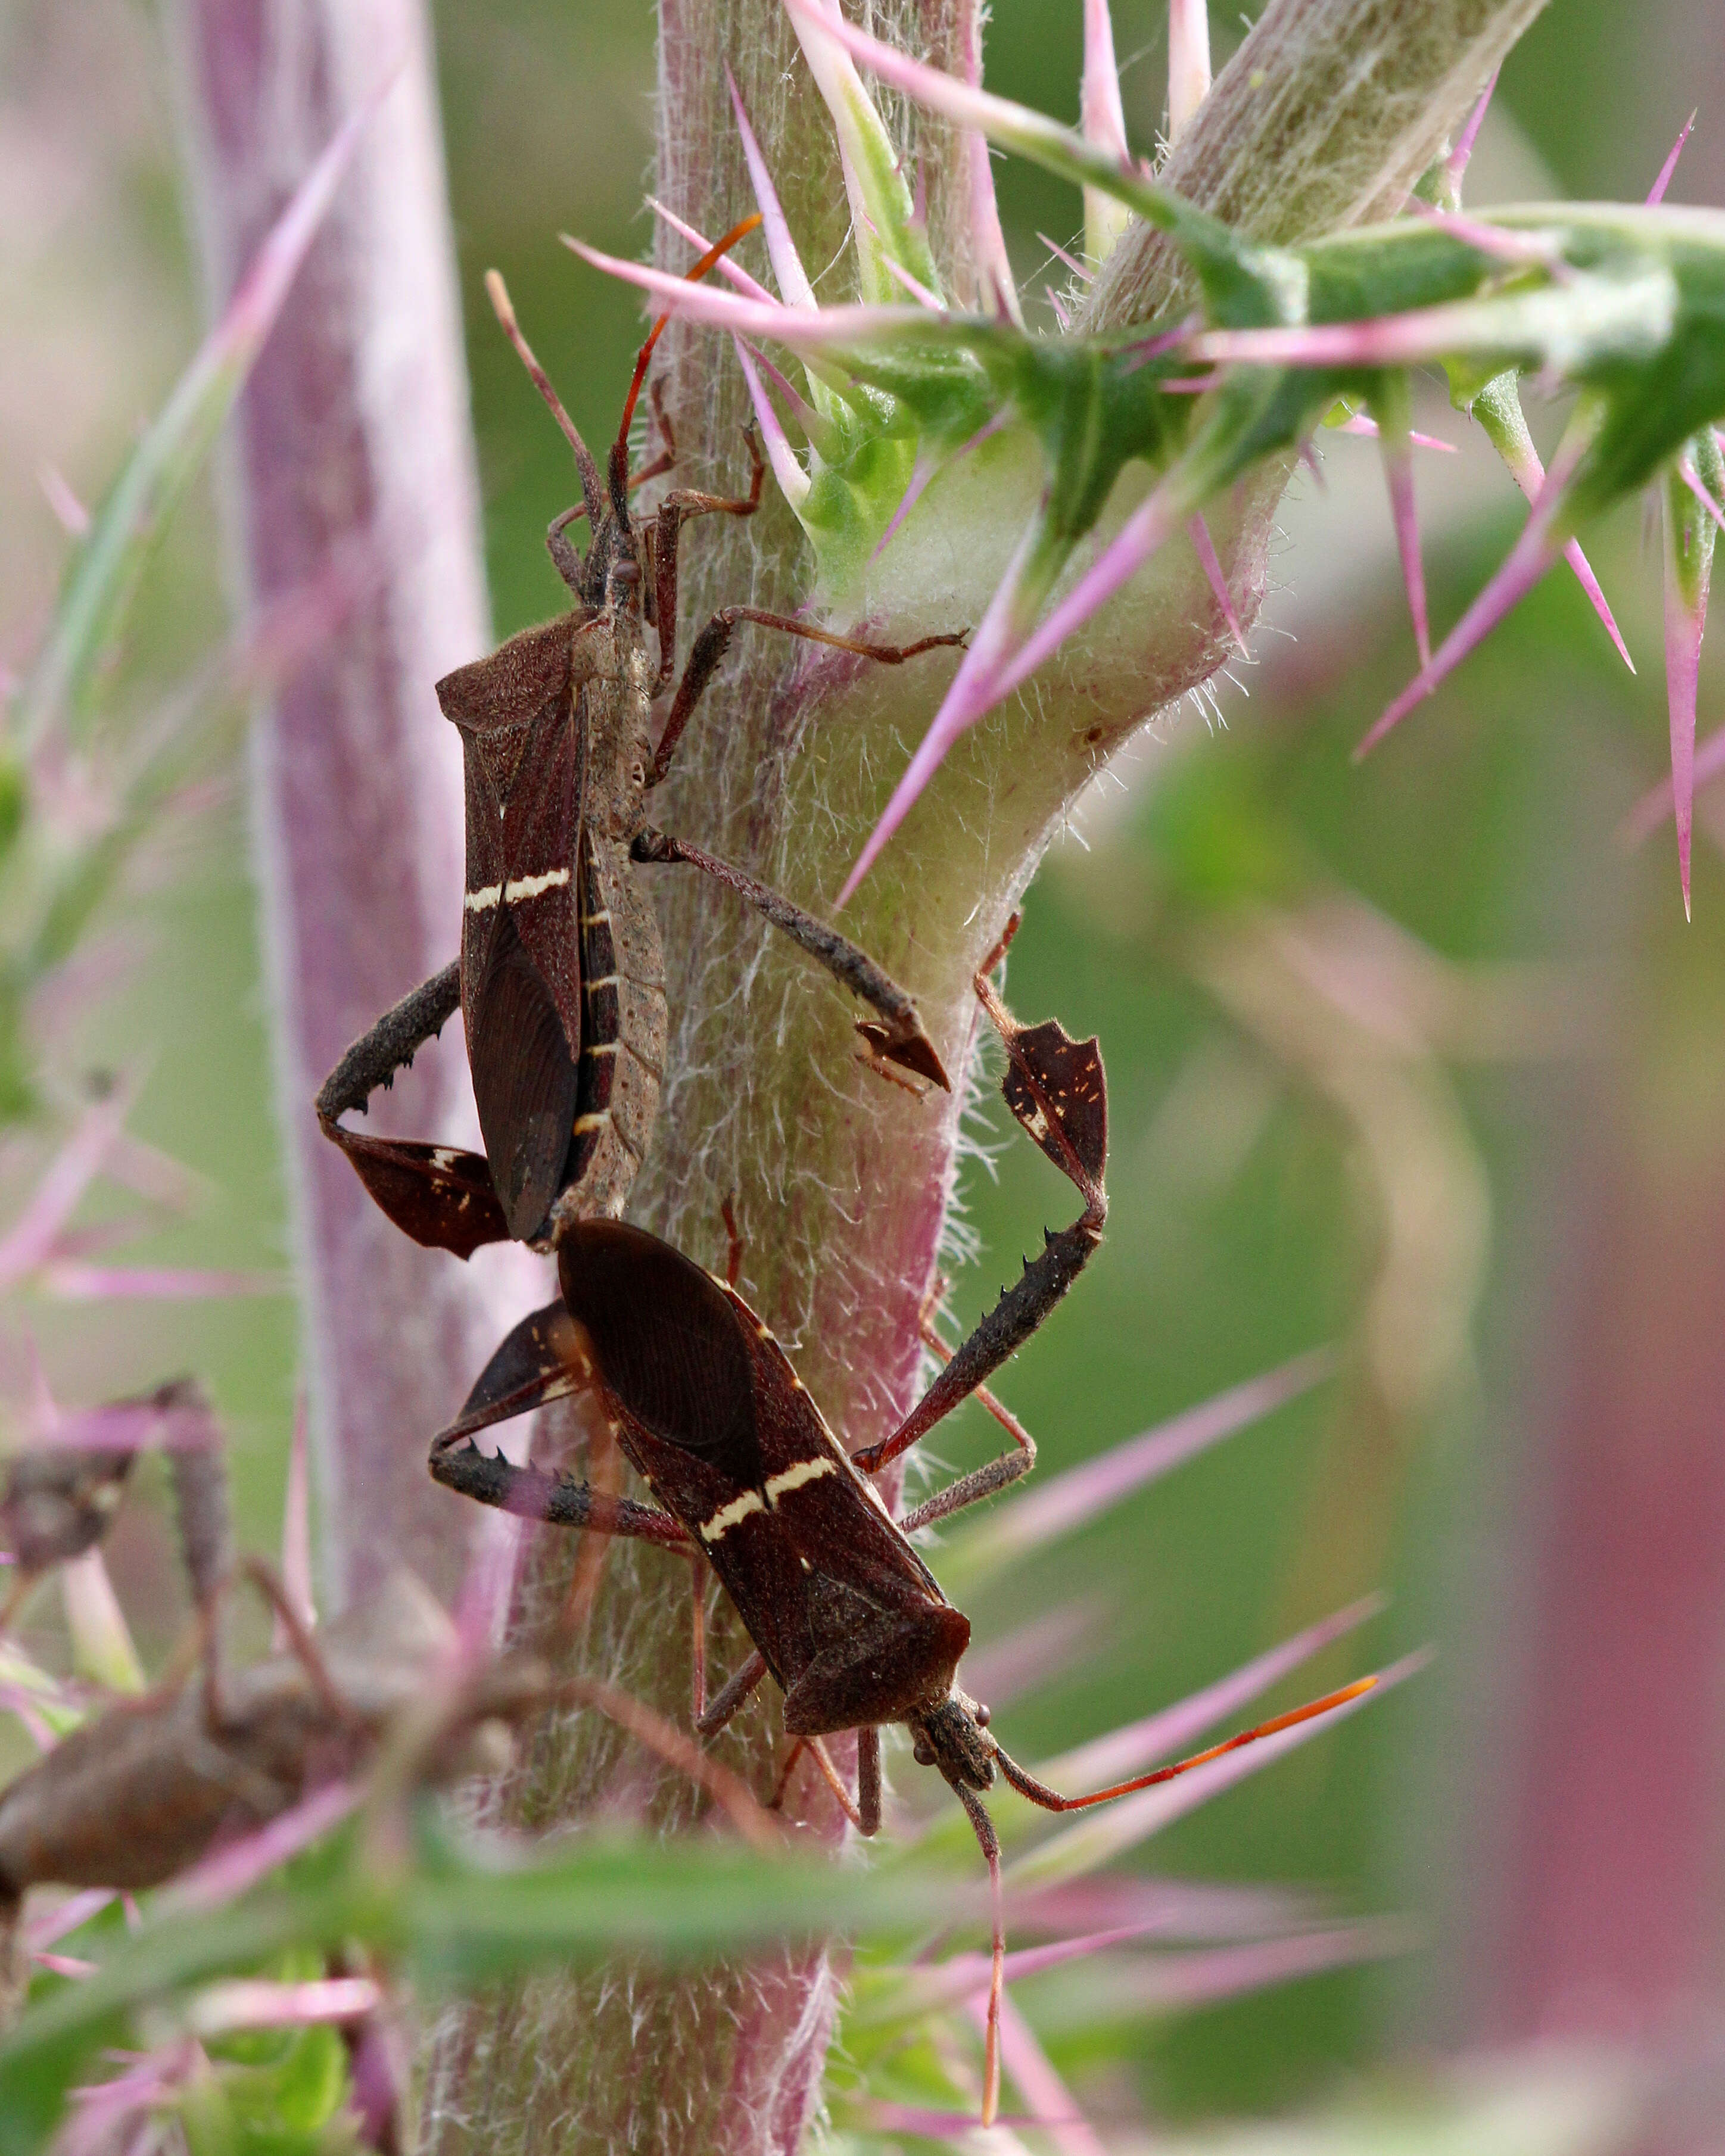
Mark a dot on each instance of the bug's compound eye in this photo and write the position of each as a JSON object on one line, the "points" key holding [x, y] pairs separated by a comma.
{"points": [[983, 1717], [626, 572], [922, 1753]]}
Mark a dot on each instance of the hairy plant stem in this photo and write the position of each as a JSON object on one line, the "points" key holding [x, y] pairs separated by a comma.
{"points": [[841, 1183]]}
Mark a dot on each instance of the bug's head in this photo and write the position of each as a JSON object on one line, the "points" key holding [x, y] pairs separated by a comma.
{"points": [[612, 578], [953, 1735]]}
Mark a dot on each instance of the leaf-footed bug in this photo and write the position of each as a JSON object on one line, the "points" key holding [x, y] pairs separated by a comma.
{"points": [[844, 1613], [560, 977]]}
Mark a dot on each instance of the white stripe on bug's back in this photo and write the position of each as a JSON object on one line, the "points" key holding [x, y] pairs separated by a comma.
{"points": [[533, 886], [732, 1515], [481, 901], [793, 1478]]}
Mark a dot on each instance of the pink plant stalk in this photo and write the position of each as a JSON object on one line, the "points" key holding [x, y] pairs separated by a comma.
{"points": [[354, 438]]}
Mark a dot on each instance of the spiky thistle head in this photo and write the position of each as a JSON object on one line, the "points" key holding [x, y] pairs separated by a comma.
{"points": [[1031, 479]]}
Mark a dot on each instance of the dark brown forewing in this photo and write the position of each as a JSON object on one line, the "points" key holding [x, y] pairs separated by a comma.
{"points": [[524, 1078], [440, 1196], [545, 1358], [497, 703], [541, 858], [1050, 1075], [669, 1343], [517, 682]]}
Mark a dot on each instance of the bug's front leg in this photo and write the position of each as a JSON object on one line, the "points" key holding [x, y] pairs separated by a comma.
{"points": [[713, 641], [674, 511]]}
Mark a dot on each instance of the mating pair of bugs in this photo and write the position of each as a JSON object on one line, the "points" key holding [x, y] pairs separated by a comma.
{"points": [[560, 985]]}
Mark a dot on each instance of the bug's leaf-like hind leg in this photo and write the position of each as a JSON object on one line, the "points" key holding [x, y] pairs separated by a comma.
{"points": [[545, 1358], [559, 1499], [390, 1045], [441, 1196], [981, 1481], [1056, 1089], [897, 1034]]}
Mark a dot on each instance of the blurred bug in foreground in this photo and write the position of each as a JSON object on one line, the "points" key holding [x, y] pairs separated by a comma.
{"points": [[560, 979], [845, 1614]]}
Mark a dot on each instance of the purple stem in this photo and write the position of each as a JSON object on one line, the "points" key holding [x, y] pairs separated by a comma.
{"points": [[353, 439]]}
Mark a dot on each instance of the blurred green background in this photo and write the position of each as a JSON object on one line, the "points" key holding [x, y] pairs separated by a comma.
{"points": [[1400, 1055]]}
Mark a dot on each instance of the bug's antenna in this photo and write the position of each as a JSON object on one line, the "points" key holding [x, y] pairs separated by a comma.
{"points": [[592, 493], [619, 453], [1051, 1800], [990, 1841]]}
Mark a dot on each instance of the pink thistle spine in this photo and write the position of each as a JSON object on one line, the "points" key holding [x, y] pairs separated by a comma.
{"points": [[1189, 63], [1688, 571], [1199, 532]]}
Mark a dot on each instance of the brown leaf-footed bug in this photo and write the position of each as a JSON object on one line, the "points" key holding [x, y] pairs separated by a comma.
{"points": [[561, 978], [844, 1613]]}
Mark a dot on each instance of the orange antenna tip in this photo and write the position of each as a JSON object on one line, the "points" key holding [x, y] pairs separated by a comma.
{"points": [[719, 248]]}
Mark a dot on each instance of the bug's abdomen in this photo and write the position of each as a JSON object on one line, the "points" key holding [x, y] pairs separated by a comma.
{"points": [[622, 1035]]}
